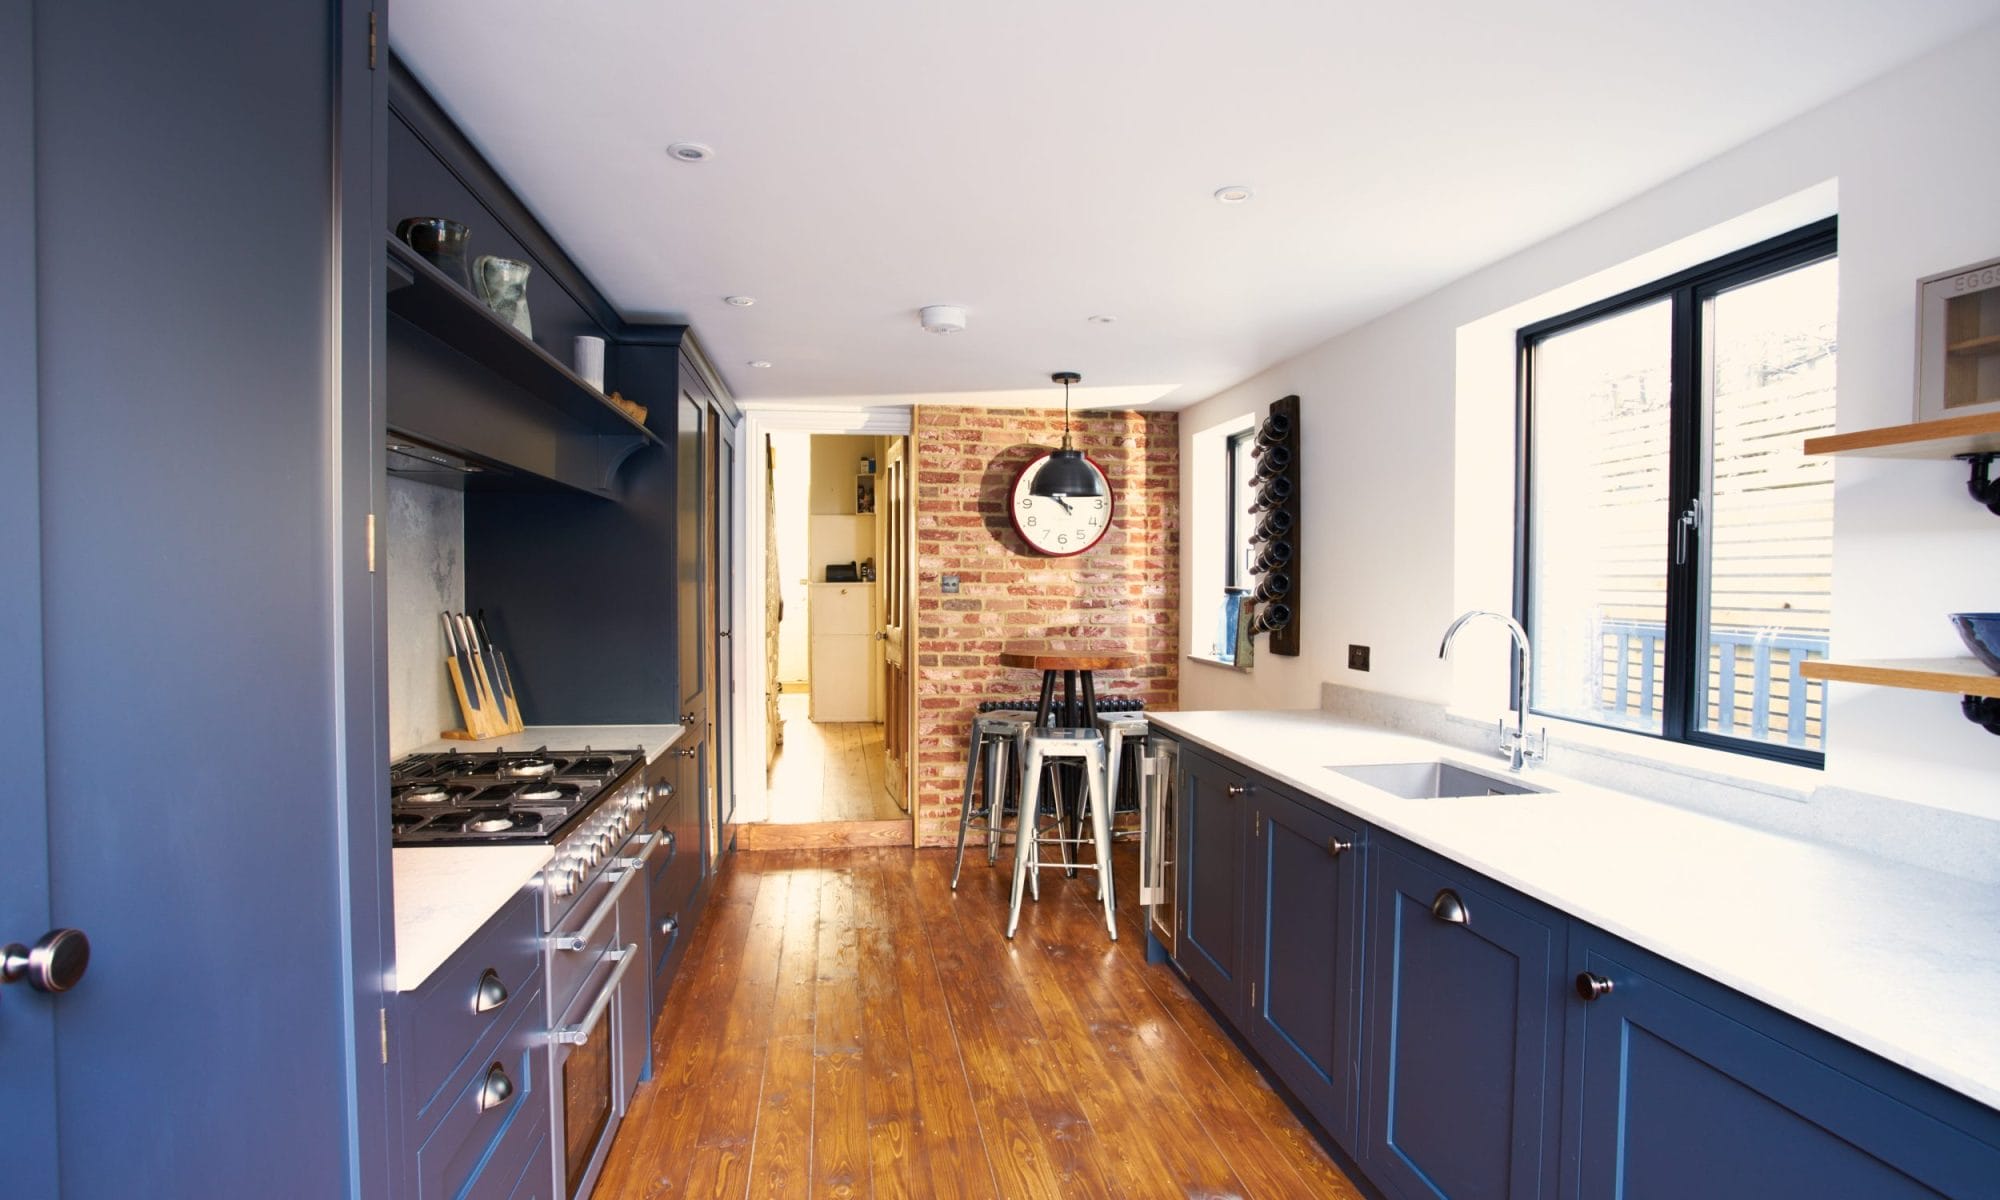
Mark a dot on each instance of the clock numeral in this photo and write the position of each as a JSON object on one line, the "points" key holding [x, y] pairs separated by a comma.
{"points": [[1062, 539], [1031, 520], [1100, 506], [1027, 502]]}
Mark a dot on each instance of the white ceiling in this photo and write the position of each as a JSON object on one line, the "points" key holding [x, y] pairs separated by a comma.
{"points": [[1040, 161]]}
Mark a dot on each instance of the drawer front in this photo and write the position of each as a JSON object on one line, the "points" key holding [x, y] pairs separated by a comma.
{"points": [[446, 1022], [519, 1166], [471, 1129], [834, 610]]}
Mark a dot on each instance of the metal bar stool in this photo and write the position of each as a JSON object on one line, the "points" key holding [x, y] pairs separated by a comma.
{"points": [[1039, 746], [989, 757], [1122, 731]]}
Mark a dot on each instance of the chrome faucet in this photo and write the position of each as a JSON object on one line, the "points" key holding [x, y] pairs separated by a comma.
{"points": [[1516, 745]]}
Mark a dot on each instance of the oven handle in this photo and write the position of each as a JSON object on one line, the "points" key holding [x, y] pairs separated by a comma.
{"points": [[581, 938], [579, 1033]]}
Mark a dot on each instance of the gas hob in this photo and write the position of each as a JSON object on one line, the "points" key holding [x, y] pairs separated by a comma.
{"points": [[500, 796]]}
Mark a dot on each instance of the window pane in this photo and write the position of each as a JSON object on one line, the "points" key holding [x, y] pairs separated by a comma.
{"points": [[1767, 378], [1242, 466], [1598, 514]]}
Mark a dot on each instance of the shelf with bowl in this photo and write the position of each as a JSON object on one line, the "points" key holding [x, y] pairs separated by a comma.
{"points": [[1975, 678], [1951, 437], [432, 302]]}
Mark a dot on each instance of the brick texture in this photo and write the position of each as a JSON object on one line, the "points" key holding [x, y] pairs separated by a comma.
{"points": [[1123, 594]]}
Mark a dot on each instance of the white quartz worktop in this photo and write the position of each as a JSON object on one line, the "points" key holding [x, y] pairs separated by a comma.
{"points": [[445, 893], [1894, 958], [654, 739]]}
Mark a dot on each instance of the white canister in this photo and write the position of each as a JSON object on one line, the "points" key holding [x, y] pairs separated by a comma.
{"points": [[590, 360]]}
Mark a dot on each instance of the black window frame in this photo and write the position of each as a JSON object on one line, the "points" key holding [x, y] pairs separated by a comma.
{"points": [[1237, 570], [1687, 289]]}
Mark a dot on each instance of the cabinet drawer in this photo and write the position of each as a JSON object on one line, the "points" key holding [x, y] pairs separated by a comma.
{"points": [[835, 609], [519, 1167], [443, 1022], [473, 1126]]}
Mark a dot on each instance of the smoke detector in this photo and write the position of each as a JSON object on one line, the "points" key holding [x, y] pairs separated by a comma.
{"points": [[942, 318], [690, 152]]}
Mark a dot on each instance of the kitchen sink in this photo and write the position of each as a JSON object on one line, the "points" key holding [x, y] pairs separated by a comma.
{"points": [[1425, 780]]}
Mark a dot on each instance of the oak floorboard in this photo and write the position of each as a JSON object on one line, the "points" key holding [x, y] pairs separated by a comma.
{"points": [[846, 1025]]}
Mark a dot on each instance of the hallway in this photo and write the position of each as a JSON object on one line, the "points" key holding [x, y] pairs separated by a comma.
{"points": [[828, 772], [845, 1025]]}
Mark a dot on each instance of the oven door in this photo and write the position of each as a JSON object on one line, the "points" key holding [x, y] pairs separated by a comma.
{"points": [[583, 1071], [1159, 812]]}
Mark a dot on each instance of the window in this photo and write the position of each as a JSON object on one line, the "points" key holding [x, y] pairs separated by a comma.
{"points": [[1675, 548], [1242, 522]]}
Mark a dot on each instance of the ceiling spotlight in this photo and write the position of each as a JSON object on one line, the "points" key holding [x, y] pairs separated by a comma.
{"points": [[942, 318], [761, 363], [739, 301], [1235, 193], [690, 152], [1101, 319]]}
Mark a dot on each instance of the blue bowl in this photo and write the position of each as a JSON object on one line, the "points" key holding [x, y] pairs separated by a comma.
{"points": [[1981, 634]]}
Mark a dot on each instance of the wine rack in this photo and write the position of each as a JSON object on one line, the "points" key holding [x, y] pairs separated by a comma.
{"points": [[1276, 507]]}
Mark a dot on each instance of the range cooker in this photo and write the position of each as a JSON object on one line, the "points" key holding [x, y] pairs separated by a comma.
{"points": [[591, 806]]}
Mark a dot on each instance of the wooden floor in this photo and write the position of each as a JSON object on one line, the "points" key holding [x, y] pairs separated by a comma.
{"points": [[844, 1025], [828, 772]]}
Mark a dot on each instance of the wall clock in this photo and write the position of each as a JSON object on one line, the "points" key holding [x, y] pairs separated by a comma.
{"points": [[1060, 527]]}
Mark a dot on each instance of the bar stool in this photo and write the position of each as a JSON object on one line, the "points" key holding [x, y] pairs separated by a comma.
{"points": [[1122, 731], [993, 746], [1039, 746]]}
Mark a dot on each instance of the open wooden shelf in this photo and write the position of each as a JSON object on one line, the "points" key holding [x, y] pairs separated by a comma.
{"points": [[1977, 347], [429, 299], [1946, 438], [1964, 676]]}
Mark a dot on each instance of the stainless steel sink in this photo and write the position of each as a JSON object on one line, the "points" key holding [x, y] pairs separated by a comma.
{"points": [[1427, 780]]}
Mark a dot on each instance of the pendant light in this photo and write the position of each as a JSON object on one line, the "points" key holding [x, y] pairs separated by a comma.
{"points": [[1066, 473]]}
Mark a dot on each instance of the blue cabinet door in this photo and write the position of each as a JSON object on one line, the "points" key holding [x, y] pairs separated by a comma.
{"points": [[1685, 1088], [1464, 1034], [1214, 816], [1304, 953]]}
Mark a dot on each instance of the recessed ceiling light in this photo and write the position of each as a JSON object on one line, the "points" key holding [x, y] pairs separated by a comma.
{"points": [[1101, 319], [690, 152], [1235, 193], [739, 301], [760, 363]]}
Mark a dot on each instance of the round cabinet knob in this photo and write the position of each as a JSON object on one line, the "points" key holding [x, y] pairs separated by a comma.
{"points": [[667, 836], [1238, 790], [1592, 986], [687, 718], [1447, 907], [669, 926], [687, 753], [497, 1089], [54, 964], [1335, 847], [665, 791], [490, 994]]}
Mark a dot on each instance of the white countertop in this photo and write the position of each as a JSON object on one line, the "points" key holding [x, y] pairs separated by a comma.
{"points": [[445, 893], [654, 739], [1894, 958]]}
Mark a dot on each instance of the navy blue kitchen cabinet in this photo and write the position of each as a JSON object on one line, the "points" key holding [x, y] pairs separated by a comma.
{"points": [[1465, 1030], [1682, 1087], [1214, 822], [1303, 1007]]}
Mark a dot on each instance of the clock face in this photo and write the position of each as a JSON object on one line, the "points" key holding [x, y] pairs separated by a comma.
{"points": [[1059, 528]]}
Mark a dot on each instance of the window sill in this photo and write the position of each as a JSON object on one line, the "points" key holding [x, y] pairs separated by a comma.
{"points": [[1213, 661]]}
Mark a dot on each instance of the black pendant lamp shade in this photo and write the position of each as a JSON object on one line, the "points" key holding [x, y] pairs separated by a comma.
{"points": [[1066, 473]]}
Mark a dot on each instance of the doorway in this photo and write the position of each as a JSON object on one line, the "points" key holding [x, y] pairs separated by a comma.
{"points": [[832, 611]]}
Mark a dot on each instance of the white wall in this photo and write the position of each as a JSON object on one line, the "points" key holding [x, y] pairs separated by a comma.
{"points": [[791, 472], [1379, 563]]}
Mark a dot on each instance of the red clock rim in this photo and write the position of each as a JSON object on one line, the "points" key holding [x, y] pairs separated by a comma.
{"points": [[1014, 514]]}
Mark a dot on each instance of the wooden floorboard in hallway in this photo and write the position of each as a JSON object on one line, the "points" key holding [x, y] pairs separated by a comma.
{"points": [[846, 1025]]}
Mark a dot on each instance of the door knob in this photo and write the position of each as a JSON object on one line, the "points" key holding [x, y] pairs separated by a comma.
{"points": [[1592, 986], [1336, 847], [55, 964], [687, 718]]}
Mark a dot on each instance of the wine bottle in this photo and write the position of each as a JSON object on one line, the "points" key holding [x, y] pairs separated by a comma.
{"points": [[1272, 494], [1275, 586], [1272, 617], [1275, 556], [1276, 525], [1272, 464]]}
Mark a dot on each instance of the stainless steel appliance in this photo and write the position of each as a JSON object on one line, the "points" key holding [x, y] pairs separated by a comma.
{"points": [[1159, 827], [591, 805]]}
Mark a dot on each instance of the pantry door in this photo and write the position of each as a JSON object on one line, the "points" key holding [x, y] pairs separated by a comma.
{"points": [[896, 516]]}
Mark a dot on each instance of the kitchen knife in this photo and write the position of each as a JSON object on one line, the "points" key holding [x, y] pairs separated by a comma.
{"points": [[459, 667], [508, 700], [495, 722]]}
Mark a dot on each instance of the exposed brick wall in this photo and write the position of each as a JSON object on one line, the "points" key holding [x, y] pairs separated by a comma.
{"points": [[1123, 594]]}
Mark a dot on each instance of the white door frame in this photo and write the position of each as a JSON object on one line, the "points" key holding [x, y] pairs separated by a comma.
{"points": [[753, 801]]}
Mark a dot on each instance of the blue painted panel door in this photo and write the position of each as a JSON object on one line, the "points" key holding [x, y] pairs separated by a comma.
{"points": [[1464, 1038], [27, 1018], [1304, 949], [1214, 818], [1689, 1089]]}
